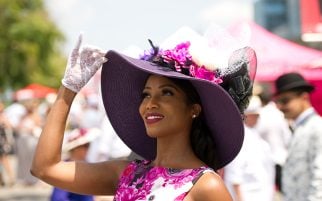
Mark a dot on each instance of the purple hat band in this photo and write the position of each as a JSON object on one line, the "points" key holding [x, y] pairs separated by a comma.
{"points": [[123, 79]]}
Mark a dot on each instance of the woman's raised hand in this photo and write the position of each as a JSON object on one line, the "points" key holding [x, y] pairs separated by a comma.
{"points": [[83, 62]]}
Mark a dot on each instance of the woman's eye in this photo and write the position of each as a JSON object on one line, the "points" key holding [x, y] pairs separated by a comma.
{"points": [[167, 92], [144, 95]]}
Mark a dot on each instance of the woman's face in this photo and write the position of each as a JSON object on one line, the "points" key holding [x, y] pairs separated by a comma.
{"points": [[164, 108]]}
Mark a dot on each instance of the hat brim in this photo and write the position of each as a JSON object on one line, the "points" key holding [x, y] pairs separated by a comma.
{"points": [[123, 79]]}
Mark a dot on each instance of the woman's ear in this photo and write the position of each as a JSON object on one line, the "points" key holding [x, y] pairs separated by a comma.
{"points": [[196, 110]]}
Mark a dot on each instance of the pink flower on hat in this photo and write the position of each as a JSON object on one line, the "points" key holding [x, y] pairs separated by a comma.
{"points": [[181, 61]]}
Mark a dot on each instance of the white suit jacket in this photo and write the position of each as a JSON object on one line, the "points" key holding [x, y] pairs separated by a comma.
{"points": [[302, 172]]}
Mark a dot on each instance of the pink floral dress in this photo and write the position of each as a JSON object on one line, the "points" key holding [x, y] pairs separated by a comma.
{"points": [[142, 181]]}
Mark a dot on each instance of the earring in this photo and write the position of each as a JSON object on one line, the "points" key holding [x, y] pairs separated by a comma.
{"points": [[194, 116]]}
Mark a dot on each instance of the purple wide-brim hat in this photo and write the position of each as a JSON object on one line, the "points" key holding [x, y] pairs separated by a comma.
{"points": [[123, 80]]}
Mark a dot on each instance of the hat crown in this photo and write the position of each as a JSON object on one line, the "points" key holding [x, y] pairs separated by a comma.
{"points": [[292, 81], [289, 79]]}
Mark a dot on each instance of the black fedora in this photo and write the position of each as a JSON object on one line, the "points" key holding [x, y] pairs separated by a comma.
{"points": [[292, 81]]}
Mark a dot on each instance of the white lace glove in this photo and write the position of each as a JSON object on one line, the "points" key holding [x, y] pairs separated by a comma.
{"points": [[82, 65]]}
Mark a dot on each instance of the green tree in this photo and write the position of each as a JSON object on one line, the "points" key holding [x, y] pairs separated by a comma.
{"points": [[29, 45]]}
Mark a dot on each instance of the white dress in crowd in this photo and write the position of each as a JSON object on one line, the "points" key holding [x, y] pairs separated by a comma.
{"points": [[274, 129], [252, 169]]}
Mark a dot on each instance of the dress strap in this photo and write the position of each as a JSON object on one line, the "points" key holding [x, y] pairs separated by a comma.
{"points": [[202, 172]]}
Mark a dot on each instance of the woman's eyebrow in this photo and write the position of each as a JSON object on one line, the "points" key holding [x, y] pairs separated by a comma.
{"points": [[169, 85], [163, 86]]}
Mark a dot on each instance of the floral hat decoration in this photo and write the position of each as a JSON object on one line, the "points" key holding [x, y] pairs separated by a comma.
{"points": [[224, 88]]}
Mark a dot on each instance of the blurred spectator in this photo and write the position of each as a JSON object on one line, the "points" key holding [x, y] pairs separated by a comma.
{"points": [[250, 176], [15, 111], [76, 112], [274, 129], [302, 172], [46, 104], [76, 144], [108, 146], [6, 148], [88, 111], [92, 116], [28, 132]]}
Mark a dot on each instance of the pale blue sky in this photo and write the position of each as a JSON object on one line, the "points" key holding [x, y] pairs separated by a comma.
{"points": [[123, 23]]}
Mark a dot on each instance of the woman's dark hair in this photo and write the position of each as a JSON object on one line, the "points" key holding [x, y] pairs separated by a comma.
{"points": [[200, 137]]}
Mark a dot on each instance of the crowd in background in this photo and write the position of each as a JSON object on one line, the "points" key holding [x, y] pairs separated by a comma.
{"points": [[256, 171], [21, 123], [255, 174]]}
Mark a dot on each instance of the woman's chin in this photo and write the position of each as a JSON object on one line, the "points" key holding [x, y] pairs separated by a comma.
{"points": [[152, 135]]}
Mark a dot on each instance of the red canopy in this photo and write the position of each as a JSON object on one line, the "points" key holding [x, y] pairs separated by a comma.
{"points": [[34, 91], [276, 55]]}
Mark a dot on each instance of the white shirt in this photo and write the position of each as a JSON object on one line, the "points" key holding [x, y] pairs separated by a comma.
{"points": [[252, 169], [274, 129]]}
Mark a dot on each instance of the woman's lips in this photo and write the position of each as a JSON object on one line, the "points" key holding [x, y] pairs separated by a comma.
{"points": [[153, 118]]}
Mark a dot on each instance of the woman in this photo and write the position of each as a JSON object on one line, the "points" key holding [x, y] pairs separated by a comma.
{"points": [[167, 109]]}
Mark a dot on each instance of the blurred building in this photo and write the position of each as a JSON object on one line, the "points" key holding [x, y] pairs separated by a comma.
{"points": [[296, 20]]}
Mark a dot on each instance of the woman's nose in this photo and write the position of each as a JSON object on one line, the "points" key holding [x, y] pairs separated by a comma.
{"points": [[152, 103]]}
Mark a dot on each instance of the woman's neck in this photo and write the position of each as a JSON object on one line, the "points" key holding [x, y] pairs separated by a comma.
{"points": [[176, 153]]}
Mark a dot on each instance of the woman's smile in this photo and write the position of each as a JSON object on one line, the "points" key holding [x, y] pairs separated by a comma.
{"points": [[151, 118]]}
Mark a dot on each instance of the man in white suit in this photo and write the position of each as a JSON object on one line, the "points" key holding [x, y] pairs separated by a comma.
{"points": [[302, 172]]}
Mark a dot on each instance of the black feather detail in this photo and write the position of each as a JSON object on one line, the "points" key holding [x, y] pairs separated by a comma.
{"points": [[239, 86]]}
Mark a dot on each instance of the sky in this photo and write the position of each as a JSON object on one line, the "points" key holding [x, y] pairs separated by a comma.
{"points": [[124, 24]]}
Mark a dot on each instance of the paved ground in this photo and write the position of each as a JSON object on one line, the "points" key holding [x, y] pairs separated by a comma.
{"points": [[42, 194], [25, 193], [34, 193], [39, 192]]}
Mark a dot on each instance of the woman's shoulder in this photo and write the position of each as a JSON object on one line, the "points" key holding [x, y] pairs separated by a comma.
{"points": [[210, 186], [209, 180]]}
